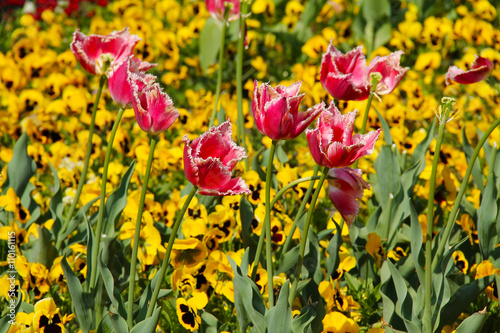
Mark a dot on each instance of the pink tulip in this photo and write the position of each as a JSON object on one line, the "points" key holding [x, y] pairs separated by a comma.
{"points": [[346, 76], [479, 71], [154, 110], [332, 143], [344, 189], [210, 159], [130, 72], [100, 54], [276, 111], [217, 8]]}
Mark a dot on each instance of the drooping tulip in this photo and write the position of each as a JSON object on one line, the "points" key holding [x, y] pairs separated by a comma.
{"points": [[332, 143], [210, 159], [100, 54], [480, 69], [130, 72], [347, 77], [154, 109], [276, 111], [344, 187]]}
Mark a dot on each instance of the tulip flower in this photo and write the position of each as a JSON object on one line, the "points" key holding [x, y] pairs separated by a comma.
{"points": [[332, 143], [480, 69], [276, 111], [101, 54], [347, 77], [154, 110], [130, 72], [210, 159], [344, 188], [217, 9]]}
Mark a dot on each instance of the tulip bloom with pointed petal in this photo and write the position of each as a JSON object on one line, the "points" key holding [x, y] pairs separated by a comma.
{"points": [[130, 72], [347, 77], [154, 110], [276, 111], [101, 54], [343, 190], [332, 143], [479, 71], [210, 159], [217, 8]]}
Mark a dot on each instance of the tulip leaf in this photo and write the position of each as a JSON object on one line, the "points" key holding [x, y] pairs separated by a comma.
{"points": [[386, 129], [20, 168], [41, 250], [382, 35], [422, 147], [303, 26], [119, 324], [307, 315], [248, 301], [113, 293], [477, 175], [246, 214], [388, 175], [487, 215], [78, 218], [288, 260], [210, 40], [148, 325], [116, 202], [333, 260], [416, 244], [56, 205], [80, 300], [279, 318], [375, 10], [146, 297], [474, 323]]}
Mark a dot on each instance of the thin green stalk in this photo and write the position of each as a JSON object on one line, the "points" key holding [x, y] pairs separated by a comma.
{"points": [[299, 214], [219, 75], [367, 111], [102, 206], [276, 198], [239, 80], [133, 261], [85, 165], [305, 233], [430, 225], [267, 225], [166, 258], [460, 195]]}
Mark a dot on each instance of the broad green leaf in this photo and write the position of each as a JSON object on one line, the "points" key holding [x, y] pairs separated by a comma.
{"points": [[113, 293], [119, 324], [56, 205], [81, 302], [375, 10], [246, 214], [209, 322], [474, 323], [279, 318], [307, 315], [20, 168], [303, 27], [221, 114], [6, 322], [416, 244], [41, 249], [288, 260], [146, 297], [333, 260], [462, 298], [78, 218], [388, 175], [116, 202], [90, 247], [382, 35], [148, 325], [422, 147], [281, 155], [487, 216], [386, 129], [477, 175], [248, 301], [210, 40]]}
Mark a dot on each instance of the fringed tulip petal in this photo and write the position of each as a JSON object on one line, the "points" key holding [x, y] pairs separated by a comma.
{"points": [[479, 71]]}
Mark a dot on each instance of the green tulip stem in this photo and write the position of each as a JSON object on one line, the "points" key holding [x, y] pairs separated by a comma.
{"points": [[307, 195], [239, 79], [267, 226], [305, 233], [454, 212], [85, 165], [275, 199], [430, 225], [219, 74], [166, 258], [102, 205], [135, 248]]}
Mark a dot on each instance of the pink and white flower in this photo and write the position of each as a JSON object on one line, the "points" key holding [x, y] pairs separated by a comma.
{"points": [[100, 54], [154, 109], [347, 77], [343, 190], [217, 8], [332, 143], [480, 69], [121, 81], [210, 159], [276, 111]]}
